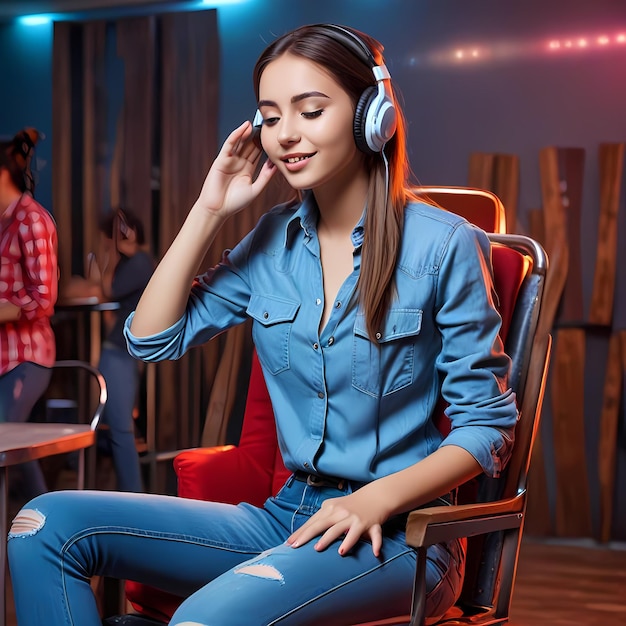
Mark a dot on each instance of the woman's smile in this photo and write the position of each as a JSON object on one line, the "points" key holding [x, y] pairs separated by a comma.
{"points": [[295, 163]]}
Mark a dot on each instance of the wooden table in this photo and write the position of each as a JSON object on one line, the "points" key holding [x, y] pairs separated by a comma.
{"points": [[21, 442]]}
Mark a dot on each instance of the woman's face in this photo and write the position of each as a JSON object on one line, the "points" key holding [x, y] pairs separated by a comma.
{"points": [[307, 124]]}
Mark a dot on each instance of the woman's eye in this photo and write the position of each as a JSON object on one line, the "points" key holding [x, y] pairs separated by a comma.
{"points": [[270, 121], [309, 115]]}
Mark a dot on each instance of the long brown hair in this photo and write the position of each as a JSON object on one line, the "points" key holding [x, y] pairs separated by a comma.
{"points": [[385, 200]]}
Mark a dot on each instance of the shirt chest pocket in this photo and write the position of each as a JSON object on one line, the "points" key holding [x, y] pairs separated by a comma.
{"points": [[381, 368], [271, 330]]}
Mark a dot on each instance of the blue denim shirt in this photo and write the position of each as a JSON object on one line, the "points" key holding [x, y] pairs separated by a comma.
{"points": [[344, 405]]}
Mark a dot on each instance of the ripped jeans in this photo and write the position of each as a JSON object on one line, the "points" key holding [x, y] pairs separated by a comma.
{"points": [[231, 562]]}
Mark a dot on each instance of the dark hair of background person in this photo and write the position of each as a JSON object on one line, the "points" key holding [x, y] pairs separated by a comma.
{"points": [[114, 219], [16, 155]]}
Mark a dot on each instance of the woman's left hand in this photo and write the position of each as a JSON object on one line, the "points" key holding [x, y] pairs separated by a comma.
{"points": [[356, 516]]}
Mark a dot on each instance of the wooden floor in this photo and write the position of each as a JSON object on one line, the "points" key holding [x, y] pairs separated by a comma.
{"points": [[558, 585], [570, 585]]}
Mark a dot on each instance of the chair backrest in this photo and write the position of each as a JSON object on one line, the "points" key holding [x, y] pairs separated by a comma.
{"points": [[76, 393], [478, 206], [528, 344]]}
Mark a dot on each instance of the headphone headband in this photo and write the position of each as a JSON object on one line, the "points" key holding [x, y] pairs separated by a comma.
{"points": [[351, 41]]}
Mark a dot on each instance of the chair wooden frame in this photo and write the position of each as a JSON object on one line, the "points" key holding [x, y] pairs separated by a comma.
{"points": [[504, 516]]}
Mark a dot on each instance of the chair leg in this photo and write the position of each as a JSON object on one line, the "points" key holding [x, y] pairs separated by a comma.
{"points": [[418, 605], [510, 552]]}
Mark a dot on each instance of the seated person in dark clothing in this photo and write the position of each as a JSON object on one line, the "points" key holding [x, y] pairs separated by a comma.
{"points": [[122, 269]]}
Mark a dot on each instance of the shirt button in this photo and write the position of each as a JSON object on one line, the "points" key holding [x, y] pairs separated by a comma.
{"points": [[337, 304], [306, 464], [331, 341], [318, 301], [379, 336], [316, 346], [266, 315], [320, 395]]}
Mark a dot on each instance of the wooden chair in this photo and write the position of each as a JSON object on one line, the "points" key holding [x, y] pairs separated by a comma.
{"points": [[224, 473]]}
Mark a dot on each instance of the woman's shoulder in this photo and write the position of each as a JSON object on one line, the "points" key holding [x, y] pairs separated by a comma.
{"points": [[439, 230], [425, 221], [421, 212], [28, 211]]}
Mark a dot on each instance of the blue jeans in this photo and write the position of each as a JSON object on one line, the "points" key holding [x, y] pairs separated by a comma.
{"points": [[20, 389], [232, 561], [121, 373]]}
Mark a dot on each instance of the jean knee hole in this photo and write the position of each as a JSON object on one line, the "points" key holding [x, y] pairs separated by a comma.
{"points": [[27, 523]]}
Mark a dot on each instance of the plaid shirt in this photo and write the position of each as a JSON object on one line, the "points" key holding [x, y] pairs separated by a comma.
{"points": [[29, 280]]}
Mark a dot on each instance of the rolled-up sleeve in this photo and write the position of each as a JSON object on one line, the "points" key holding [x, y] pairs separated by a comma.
{"points": [[474, 368], [218, 300]]}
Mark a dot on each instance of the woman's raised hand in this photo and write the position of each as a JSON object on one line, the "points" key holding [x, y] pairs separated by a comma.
{"points": [[229, 185]]}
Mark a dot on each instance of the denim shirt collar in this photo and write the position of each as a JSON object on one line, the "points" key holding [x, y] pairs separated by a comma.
{"points": [[306, 216]]}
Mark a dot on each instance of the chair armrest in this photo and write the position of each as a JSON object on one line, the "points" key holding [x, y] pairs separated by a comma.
{"points": [[426, 527], [222, 474]]}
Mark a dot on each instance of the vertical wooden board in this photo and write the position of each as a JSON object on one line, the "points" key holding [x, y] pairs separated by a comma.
{"points": [[62, 146], [536, 227], [573, 509], [607, 446], [553, 211], [506, 187], [611, 164], [571, 172], [189, 81], [94, 131], [136, 46], [481, 170]]}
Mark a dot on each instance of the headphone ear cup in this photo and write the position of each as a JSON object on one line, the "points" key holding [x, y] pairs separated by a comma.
{"points": [[360, 117]]}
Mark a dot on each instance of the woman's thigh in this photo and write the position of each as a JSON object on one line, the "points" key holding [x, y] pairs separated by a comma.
{"points": [[172, 543], [301, 586]]}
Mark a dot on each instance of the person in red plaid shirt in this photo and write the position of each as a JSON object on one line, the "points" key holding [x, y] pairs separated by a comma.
{"points": [[28, 292]]}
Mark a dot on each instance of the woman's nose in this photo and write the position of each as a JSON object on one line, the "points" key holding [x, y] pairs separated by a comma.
{"points": [[288, 132]]}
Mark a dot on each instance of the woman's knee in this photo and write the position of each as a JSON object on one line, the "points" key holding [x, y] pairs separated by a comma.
{"points": [[56, 506]]}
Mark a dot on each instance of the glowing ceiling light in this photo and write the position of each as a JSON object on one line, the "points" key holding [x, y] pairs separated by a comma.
{"points": [[218, 3], [568, 44], [459, 54], [35, 20], [582, 43], [554, 45], [475, 53], [621, 38], [603, 41]]}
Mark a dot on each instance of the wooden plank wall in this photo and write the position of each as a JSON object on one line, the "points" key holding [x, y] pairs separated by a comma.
{"points": [[565, 507], [151, 154]]}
